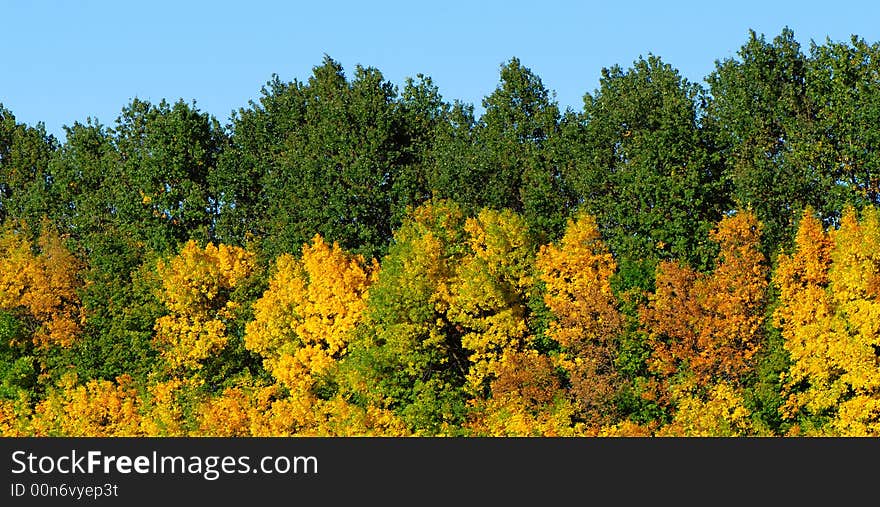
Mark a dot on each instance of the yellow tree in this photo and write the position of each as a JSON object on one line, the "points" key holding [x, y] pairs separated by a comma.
{"points": [[804, 316], [830, 320], [718, 413], [489, 292], [408, 356], [302, 322], [514, 389], [238, 411], [577, 273], [39, 283], [302, 326], [196, 289], [527, 399], [733, 299], [855, 345], [163, 407], [15, 416], [100, 408]]}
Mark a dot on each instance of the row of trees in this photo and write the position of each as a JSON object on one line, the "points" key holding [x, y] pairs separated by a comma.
{"points": [[345, 257], [468, 326]]}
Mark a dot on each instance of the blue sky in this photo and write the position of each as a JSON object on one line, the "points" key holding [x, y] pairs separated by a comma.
{"points": [[64, 61]]}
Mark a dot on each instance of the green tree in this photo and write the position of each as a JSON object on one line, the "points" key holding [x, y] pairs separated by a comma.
{"points": [[507, 158], [165, 155], [643, 169], [24, 176], [334, 161], [841, 85], [408, 356], [251, 157], [759, 118], [125, 195]]}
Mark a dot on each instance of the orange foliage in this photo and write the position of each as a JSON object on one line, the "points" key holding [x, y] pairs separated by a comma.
{"points": [[527, 400], [577, 275], [41, 282], [710, 325]]}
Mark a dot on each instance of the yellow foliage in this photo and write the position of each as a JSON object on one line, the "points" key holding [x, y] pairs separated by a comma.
{"points": [[99, 408], [527, 400], [230, 414], [625, 428], [302, 326], [577, 276], [338, 418], [196, 288], [489, 293], [830, 320], [505, 417], [15, 416], [266, 412], [42, 285], [302, 322], [163, 408], [720, 414], [805, 314]]}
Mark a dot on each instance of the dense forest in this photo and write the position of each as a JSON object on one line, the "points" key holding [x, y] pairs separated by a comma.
{"points": [[346, 257]]}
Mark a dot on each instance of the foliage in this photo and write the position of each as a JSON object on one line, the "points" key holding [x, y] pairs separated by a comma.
{"points": [[577, 275], [350, 258], [197, 286], [828, 316]]}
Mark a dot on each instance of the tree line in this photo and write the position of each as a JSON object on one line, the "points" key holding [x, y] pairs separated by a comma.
{"points": [[347, 257]]}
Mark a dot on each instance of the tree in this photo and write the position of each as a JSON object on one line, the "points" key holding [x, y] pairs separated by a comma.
{"points": [[507, 159], [424, 116], [841, 87], [706, 329], [166, 153], [127, 195], [577, 274], [25, 180], [198, 287], [644, 170], [303, 322], [302, 327], [528, 400], [97, 408], [38, 286], [408, 356], [334, 161], [40, 314], [760, 118], [828, 315], [721, 413], [488, 297]]}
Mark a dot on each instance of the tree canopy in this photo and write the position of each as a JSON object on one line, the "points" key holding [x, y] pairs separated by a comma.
{"points": [[346, 256]]}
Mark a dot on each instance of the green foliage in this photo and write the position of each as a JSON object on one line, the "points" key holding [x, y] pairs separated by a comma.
{"points": [[643, 168], [24, 177], [509, 158], [763, 125], [841, 88], [409, 356], [323, 157], [484, 312], [18, 367]]}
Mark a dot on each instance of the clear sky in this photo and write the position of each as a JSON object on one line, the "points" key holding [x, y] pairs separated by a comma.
{"points": [[64, 61]]}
